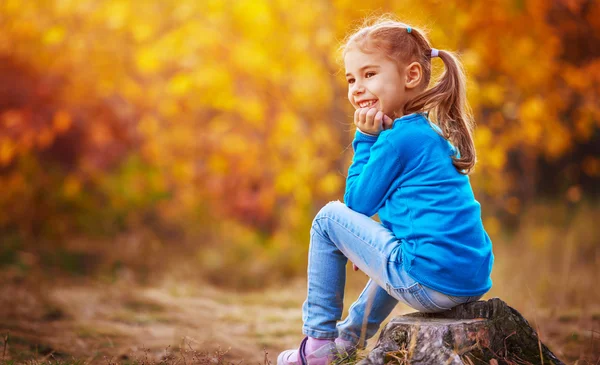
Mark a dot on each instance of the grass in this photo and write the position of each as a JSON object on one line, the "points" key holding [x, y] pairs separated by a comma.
{"points": [[349, 359]]}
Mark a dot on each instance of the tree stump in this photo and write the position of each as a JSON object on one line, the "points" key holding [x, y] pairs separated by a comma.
{"points": [[483, 332]]}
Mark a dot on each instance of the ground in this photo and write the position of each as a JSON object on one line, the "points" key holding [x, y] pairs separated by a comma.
{"points": [[108, 322]]}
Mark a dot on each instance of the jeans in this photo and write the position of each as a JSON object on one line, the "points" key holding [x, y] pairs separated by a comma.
{"points": [[339, 234]]}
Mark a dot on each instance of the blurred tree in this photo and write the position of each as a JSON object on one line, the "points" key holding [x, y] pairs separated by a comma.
{"points": [[115, 113]]}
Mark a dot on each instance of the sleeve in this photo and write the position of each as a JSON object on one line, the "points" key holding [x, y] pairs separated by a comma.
{"points": [[371, 177]]}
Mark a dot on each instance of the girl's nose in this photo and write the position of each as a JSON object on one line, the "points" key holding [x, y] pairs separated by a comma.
{"points": [[357, 89]]}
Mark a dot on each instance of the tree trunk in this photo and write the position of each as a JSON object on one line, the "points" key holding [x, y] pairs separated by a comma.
{"points": [[483, 332]]}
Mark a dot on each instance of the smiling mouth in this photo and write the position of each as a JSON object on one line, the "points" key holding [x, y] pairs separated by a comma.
{"points": [[367, 103]]}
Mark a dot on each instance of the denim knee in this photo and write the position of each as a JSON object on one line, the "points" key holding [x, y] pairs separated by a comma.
{"points": [[330, 209]]}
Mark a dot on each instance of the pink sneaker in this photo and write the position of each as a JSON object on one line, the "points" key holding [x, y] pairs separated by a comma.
{"points": [[324, 355], [345, 348]]}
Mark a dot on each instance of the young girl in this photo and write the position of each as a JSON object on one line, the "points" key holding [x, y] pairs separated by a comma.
{"points": [[413, 149]]}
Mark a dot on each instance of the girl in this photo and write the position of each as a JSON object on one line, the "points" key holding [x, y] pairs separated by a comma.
{"points": [[430, 250]]}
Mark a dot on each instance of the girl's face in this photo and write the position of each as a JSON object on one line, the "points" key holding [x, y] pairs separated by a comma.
{"points": [[374, 81]]}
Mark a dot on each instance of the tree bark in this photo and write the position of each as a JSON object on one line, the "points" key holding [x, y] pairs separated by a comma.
{"points": [[483, 332]]}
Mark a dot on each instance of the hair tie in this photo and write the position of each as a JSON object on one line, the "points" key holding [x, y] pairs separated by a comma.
{"points": [[435, 53], [408, 29]]}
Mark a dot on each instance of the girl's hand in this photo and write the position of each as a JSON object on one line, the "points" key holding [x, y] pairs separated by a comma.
{"points": [[371, 120]]}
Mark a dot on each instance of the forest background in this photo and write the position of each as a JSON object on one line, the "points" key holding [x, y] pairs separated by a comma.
{"points": [[194, 141]]}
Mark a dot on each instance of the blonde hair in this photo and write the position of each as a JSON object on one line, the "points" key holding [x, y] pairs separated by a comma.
{"points": [[446, 101]]}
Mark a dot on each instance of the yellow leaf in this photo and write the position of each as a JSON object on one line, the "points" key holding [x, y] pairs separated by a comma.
{"points": [[532, 115], [330, 184], [12, 6], [116, 13], [147, 60], [179, 84], [141, 31], [53, 36], [493, 94], [471, 60], [496, 157], [483, 136], [253, 110], [532, 109], [285, 182], [286, 127], [218, 164], [250, 57]]}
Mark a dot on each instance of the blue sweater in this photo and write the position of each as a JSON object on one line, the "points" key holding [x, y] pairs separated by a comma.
{"points": [[406, 175]]}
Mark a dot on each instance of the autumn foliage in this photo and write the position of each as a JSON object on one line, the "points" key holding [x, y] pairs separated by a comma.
{"points": [[213, 122]]}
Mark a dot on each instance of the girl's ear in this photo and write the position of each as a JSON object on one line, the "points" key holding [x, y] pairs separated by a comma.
{"points": [[414, 74]]}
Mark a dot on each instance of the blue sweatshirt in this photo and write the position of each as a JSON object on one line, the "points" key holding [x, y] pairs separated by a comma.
{"points": [[406, 175]]}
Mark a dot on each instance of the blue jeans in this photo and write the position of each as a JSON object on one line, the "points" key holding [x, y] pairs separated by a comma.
{"points": [[339, 234]]}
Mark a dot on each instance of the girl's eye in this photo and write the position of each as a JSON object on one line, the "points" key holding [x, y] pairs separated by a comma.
{"points": [[350, 81], [369, 74]]}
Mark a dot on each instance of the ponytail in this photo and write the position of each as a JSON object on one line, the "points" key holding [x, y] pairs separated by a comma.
{"points": [[447, 103]]}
